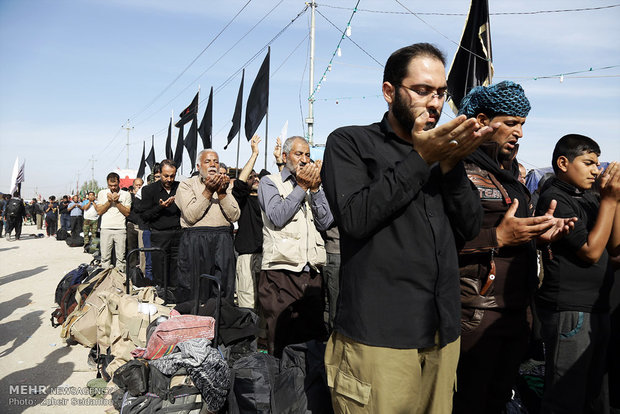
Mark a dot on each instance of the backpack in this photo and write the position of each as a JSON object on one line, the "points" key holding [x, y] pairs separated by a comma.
{"points": [[76, 241], [74, 296], [61, 234], [13, 207], [253, 384], [74, 277]]}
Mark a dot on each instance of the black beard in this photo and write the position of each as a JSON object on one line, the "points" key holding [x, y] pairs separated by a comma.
{"points": [[402, 113]]}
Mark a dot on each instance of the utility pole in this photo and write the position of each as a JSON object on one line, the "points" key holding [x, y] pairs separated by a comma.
{"points": [[128, 128], [77, 185], [310, 119], [92, 168]]}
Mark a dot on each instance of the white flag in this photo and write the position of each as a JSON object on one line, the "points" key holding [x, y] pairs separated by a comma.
{"points": [[284, 131], [18, 175]]}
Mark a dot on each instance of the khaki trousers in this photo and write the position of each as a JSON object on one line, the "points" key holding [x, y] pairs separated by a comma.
{"points": [[370, 379], [113, 238], [248, 272]]}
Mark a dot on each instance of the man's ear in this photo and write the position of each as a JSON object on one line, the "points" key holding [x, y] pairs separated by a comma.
{"points": [[284, 156], [483, 119], [562, 163], [388, 92]]}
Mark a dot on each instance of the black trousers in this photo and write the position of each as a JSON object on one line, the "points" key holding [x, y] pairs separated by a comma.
{"points": [[169, 241], [205, 250], [76, 226], [51, 225], [489, 361], [15, 223], [132, 243]]}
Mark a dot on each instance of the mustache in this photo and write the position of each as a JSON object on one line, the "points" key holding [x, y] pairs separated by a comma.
{"points": [[433, 112]]}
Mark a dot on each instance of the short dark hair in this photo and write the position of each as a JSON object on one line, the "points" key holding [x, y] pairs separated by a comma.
{"points": [[572, 146], [113, 177], [396, 66], [168, 163], [91, 192], [157, 168]]}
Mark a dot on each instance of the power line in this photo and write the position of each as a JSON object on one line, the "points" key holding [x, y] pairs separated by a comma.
{"points": [[567, 74], [192, 62], [212, 65], [345, 32], [348, 37], [290, 54], [273, 39], [465, 14], [443, 35], [229, 79]]}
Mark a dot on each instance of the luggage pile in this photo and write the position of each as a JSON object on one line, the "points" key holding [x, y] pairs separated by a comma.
{"points": [[195, 358]]}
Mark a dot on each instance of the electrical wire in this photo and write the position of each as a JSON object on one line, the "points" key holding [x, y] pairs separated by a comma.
{"points": [[191, 63], [441, 34], [290, 54], [247, 63], [567, 74], [465, 14], [211, 66], [328, 68], [349, 37]]}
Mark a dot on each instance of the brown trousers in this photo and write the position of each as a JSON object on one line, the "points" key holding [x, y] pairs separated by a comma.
{"points": [[292, 306]]}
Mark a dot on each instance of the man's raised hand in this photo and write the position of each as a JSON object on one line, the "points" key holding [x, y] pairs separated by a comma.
{"points": [[450, 142]]}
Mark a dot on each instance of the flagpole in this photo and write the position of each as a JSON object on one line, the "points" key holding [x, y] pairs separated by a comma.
{"points": [[266, 132], [238, 145]]}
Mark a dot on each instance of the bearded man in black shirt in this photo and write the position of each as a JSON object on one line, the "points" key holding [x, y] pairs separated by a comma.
{"points": [[402, 202], [160, 213]]}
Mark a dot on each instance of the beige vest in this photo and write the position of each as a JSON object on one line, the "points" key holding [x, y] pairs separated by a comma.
{"points": [[295, 244]]}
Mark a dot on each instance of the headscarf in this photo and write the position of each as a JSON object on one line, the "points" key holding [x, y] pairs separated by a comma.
{"points": [[506, 98]]}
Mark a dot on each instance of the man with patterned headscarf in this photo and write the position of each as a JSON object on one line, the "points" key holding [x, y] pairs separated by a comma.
{"points": [[498, 267]]}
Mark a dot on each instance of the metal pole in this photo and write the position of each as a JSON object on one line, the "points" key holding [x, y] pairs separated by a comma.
{"points": [[238, 145], [128, 128], [310, 119], [92, 168], [266, 133]]}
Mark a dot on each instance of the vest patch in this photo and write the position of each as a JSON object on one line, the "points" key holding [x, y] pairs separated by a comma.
{"points": [[486, 189]]}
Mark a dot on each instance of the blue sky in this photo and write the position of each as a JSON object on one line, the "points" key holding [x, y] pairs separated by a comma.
{"points": [[73, 72]]}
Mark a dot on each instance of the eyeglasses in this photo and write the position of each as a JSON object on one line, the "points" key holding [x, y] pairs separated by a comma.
{"points": [[423, 92]]}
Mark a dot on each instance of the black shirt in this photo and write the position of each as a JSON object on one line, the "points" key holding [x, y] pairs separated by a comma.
{"points": [[571, 284], [62, 207], [155, 216], [398, 217], [249, 238], [133, 216]]}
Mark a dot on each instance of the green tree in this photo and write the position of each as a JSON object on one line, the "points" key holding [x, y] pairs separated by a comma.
{"points": [[90, 185]]}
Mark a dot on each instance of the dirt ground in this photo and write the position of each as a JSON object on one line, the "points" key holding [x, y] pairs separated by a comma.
{"points": [[38, 371]]}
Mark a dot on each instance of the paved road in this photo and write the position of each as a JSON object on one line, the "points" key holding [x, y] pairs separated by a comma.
{"points": [[38, 372]]}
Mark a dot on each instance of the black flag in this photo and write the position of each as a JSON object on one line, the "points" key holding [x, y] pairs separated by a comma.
{"points": [[258, 100], [472, 65], [178, 152], [191, 142], [169, 153], [188, 113], [142, 166], [206, 126], [150, 159], [236, 120]]}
